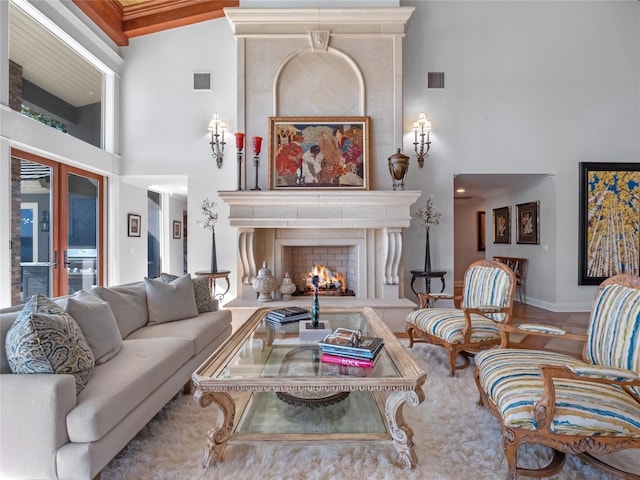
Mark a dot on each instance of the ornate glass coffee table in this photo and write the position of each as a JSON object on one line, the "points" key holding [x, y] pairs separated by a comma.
{"points": [[271, 386]]}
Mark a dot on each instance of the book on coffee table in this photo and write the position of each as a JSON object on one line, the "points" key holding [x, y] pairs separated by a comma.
{"points": [[348, 361], [349, 343], [288, 314]]}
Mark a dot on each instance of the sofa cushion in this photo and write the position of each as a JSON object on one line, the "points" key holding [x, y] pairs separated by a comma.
{"points": [[201, 291], [170, 301], [201, 330], [124, 382], [96, 320], [449, 323], [46, 339], [128, 304], [513, 380]]}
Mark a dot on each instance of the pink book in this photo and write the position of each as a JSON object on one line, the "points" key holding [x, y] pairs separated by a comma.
{"points": [[355, 362]]}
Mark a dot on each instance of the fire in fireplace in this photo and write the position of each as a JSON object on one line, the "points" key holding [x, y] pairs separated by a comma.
{"points": [[329, 282]]}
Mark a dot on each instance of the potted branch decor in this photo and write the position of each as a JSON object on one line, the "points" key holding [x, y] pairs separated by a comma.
{"points": [[428, 215], [209, 222]]}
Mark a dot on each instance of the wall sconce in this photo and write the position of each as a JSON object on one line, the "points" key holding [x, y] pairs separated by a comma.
{"points": [[217, 127], [419, 127], [44, 221]]}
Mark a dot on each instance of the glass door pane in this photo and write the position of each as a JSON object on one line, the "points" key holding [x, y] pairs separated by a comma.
{"points": [[82, 221], [31, 229]]}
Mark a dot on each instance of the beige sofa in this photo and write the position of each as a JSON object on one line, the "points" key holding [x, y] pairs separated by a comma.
{"points": [[49, 432]]}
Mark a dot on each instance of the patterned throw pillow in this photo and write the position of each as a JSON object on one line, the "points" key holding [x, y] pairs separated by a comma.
{"points": [[204, 302], [46, 339]]}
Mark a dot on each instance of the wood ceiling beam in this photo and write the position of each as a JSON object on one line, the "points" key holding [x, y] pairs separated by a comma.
{"points": [[149, 16], [158, 15], [107, 15]]}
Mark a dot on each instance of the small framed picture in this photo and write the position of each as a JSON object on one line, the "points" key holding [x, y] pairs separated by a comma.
{"points": [[177, 229], [528, 215], [502, 225], [134, 225]]}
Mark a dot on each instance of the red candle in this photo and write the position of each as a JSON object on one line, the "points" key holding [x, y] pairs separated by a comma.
{"points": [[239, 141], [257, 143]]}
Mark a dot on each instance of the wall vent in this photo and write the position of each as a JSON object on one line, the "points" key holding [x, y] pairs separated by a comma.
{"points": [[202, 81], [435, 80]]}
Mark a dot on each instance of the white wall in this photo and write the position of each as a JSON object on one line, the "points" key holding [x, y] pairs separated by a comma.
{"points": [[465, 235], [165, 124], [541, 287], [530, 87]]}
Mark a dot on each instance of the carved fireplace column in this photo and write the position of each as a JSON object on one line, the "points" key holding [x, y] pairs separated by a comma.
{"points": [[247, 261], [393, 255]]}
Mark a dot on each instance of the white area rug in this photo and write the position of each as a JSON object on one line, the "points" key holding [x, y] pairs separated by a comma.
{"points": [[455, 439]]}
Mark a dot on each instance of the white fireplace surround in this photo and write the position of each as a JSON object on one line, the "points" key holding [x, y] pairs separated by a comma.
{"points": [[370, 221]]}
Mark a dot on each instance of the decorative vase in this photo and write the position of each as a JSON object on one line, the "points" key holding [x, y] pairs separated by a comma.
{"points": [[315, 305], [214, 258], [287, 287], [427, 253], [264, 283], [398, 167]]}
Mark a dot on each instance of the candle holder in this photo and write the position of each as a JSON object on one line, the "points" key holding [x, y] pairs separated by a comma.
{"points": [[257, 144], [239, 148], [256, 164]]}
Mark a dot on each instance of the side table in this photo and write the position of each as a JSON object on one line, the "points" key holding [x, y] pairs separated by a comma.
{"points": [[213, 276], [427, 279]]}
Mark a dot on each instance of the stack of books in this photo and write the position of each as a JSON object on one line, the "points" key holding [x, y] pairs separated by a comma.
{"points": [[349, 347], [288, 315]]}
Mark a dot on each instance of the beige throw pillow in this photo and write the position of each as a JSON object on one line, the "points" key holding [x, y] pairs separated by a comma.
{"points": [[96, 320], [170, 301]]}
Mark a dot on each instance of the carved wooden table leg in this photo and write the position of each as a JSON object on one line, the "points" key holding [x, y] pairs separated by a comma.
{"points": [[401, 432], [218, 435]]}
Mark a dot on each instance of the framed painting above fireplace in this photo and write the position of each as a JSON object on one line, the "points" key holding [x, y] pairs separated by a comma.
{"points": [[319, 153]]}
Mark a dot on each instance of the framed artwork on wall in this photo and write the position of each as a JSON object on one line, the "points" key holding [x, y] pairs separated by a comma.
{"points": [[133, 225], [481, 226], [177, 229], [319, 153], [502, 225], [609, 221], [528, 223]]}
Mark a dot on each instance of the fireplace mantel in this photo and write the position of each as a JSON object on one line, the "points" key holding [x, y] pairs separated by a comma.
{"points": [[319, 209], [371, 221]]}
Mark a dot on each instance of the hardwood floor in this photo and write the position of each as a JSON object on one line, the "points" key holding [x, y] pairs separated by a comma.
{"points": [[573, 322]]}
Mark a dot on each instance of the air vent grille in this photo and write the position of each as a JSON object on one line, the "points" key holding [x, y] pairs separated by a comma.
{"points": [[435, 80], [202, 81]]}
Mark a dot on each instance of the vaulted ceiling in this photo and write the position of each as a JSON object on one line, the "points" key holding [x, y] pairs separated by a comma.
{"points": [[125, 19]]}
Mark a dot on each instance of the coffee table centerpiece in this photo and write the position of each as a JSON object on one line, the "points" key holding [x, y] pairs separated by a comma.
{"points": [[261, 364]]}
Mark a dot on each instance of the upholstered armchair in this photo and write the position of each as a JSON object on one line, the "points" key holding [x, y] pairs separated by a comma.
{"points": [[589, 407], [487, 301]]}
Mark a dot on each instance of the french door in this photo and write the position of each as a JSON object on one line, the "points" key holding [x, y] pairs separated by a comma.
{"points": [[57, 232]]}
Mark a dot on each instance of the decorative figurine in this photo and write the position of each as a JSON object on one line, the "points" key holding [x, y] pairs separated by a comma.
{"points": [[315, 306], [287, 287], [264, 283]]}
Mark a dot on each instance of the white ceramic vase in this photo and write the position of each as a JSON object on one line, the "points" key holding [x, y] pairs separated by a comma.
{"points": [[265, 283], [287, 287]]}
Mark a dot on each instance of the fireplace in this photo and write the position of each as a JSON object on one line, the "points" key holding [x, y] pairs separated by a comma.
{"points": [[361, 229], [335, 266]]}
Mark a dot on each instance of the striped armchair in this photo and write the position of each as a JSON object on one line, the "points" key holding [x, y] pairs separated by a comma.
{"points": [[487, 301], [589, 407]]}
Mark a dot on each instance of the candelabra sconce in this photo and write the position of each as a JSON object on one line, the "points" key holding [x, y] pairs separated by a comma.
{"points": [[257, 143], [239, 147], [217, 128], [421, 129]]}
